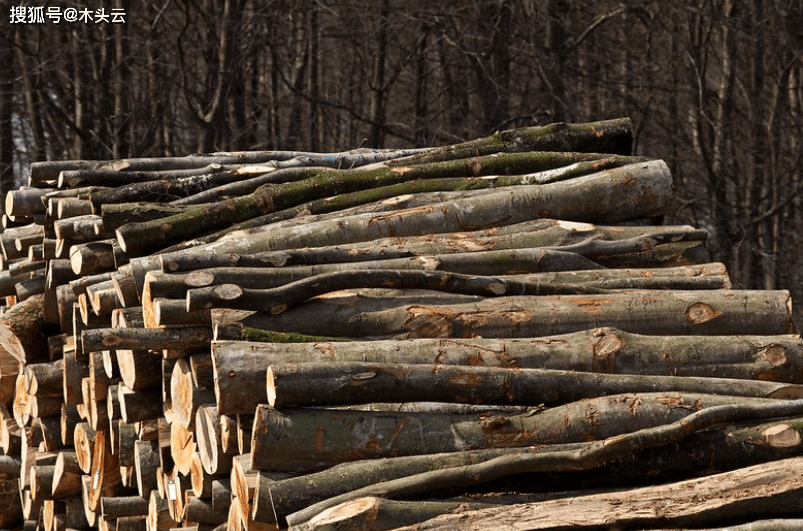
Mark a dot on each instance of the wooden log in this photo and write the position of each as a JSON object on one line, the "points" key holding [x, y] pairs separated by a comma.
{"points": [[9, 467], [103, 298], [84, 438], [44, 379], [166, 190], [66, 476], [22, 331], [68, 207], [709, 312], [105, 472], [279, 299], [554, 269], [28, 288], [167, 312], [8, 282], [179, 337], [41, 482], [65, 301], [112, 178], [118, 214], [127, 317], [201, 368], [209, 439], [752, 492], [9, 369], [201, 511], [186, 396], [25, 201], [132, 523], [159, 513], [92, 258], [244, 480], [420, 191], [10, 432], [50, 428], [182, 446], [245, 425], [146, 462], [173, 493], [138, 405], [74, 372], [119, 506], [301, 439], [126, 437], [126, 288], [441, 218], [43, 251], [139, 369], [335, 383], [80, 228], [201, 481], [69, 418], [229, 434]]}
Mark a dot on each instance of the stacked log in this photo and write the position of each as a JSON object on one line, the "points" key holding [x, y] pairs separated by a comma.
{"points": [[383, 339]]}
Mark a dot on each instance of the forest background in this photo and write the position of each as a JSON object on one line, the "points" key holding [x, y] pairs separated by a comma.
{"points": [[714, 87]]}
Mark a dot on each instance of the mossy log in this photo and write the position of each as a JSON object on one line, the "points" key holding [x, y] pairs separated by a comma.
{"points": [[632, 191]]}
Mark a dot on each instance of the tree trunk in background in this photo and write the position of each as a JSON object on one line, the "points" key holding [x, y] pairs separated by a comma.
{"points": [[121, 76], [492, 63], [378, 85], [556, 56], [7, 32]]}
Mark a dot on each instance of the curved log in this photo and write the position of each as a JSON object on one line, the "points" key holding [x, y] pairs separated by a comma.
{"points": [[278, 300]]}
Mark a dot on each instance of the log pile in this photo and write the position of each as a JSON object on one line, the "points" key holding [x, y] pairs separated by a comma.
{"points": [[492, 333]]}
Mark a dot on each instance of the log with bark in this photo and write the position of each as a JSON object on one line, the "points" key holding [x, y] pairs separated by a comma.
{"points": [[708, 312]]}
